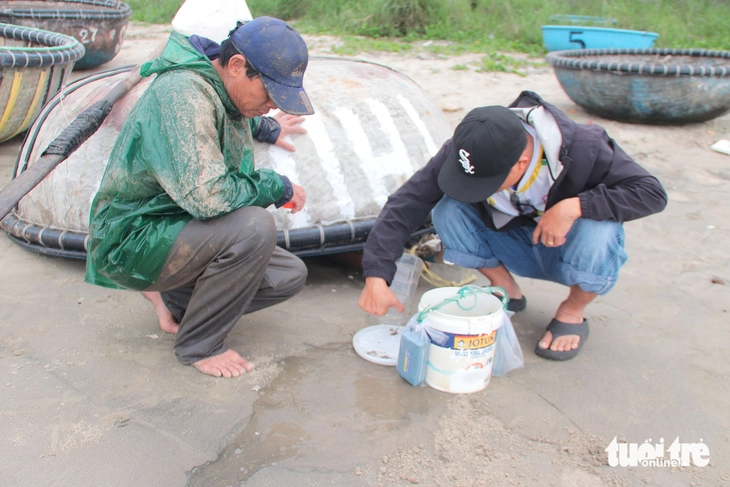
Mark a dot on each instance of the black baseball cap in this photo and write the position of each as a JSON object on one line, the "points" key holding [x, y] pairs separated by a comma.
{"points": [[486, 145]]}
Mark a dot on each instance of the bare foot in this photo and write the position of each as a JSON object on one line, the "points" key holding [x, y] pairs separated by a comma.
{"points": [[167, 321], [228, 364], [570, 311], [562, 343]]}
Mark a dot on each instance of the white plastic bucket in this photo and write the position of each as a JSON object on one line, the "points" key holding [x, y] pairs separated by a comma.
{"points": [[463, 363]]}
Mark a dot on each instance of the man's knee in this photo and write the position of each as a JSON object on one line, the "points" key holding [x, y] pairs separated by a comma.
{"points": [[446, 212], [253, 225], [594, 254], [455, 220], [600, 230], [595, 239], [463, 234]]}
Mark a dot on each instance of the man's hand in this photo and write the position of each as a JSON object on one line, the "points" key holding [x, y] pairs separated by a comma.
{"points": [[289, 125], [297, 201], [377, 298], [555, 223]]}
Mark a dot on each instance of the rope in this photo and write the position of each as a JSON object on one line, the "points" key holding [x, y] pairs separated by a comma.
{"points": [[437, 281], [352, 230], [461, 294], [432, 278]]}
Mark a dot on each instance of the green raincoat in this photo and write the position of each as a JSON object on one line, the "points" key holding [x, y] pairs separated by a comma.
{"points": [[185, 152]]}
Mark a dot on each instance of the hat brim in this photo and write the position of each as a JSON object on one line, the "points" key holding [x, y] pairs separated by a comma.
{"points": [[469, 189], [290, 99]]}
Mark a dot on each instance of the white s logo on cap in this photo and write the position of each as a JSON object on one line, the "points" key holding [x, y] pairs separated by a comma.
{"points": [[464, 160]]}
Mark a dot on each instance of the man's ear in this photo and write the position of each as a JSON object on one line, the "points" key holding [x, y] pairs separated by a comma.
{"points": [[237, 65], [523, 162]]}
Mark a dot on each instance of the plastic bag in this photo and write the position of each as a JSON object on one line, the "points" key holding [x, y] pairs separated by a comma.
{"points": [[507, 352], [211, 19]]}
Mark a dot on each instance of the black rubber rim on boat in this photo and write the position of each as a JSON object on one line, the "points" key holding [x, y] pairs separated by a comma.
{"points": [[115, 10], [303, 242], [61, 48], [576, 59]]}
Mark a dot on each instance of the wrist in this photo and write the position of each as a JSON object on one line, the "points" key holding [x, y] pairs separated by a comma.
{"points": [[375, 281], [573, 206], [288, 192]]}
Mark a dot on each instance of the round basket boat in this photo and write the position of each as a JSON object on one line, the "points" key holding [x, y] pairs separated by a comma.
{"points": [[99, 25], [655, 86], [373, 128], [34, 64], [566, 37]]}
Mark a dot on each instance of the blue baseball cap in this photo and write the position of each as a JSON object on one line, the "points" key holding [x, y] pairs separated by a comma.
{"points": [[280, 55]]}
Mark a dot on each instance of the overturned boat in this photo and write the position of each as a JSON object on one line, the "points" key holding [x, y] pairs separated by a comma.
{"points": [[373, 128]]}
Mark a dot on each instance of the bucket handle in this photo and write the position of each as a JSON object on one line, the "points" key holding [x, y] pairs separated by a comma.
{"points": [[464, 292], [498, 290]]}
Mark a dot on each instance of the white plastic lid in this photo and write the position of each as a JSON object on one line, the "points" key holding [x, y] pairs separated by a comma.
{"points": [[379, 344]]}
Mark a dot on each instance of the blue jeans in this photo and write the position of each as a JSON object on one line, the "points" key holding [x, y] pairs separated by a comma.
{"points": [[590, 258]]}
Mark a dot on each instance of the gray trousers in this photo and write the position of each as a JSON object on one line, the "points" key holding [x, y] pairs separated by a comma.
{"points": [[220, 269]]}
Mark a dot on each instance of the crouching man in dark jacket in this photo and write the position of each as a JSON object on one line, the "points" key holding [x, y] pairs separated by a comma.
{"points": [[521, 190]]}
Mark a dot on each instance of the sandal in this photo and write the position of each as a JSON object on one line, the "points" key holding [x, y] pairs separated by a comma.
{"points": [[559, 329], [517, 305]]}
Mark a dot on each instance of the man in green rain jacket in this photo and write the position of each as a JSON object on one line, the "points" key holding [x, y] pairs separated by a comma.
{"points": [[180, 211]]}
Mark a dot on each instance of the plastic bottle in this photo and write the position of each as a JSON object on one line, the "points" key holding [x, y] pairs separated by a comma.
{"points": [[404, 286]]}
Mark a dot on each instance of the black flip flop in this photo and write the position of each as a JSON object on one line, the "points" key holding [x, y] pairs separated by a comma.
{"points": [[517, 305], [559, 329]]}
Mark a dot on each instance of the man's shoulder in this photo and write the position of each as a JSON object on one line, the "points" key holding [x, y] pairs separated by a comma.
{"points": [[182, 84], [589, 132], [182, 78]]}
